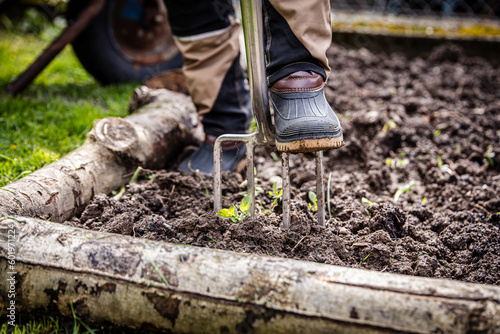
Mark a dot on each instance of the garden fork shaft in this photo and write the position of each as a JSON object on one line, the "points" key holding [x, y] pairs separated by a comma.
{"points": [[251, 11]]}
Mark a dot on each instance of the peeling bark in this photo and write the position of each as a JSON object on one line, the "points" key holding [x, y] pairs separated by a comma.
{"points": [[114, 278], [113, 150]]}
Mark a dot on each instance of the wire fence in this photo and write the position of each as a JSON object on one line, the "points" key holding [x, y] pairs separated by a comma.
{"points": [[481, 9]]}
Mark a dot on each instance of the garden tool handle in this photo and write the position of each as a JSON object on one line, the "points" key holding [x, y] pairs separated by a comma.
{"points": [[251, 12]]}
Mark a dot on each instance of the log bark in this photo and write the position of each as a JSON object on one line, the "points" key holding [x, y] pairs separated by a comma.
{"points": [[136, 283], [113, 150]]}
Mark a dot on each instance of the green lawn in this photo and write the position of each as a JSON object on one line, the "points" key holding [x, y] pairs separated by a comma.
{"points": [[48, 120], [52, 117]]}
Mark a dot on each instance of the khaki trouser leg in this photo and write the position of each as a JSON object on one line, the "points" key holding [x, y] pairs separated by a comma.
{"points": [[207, 58], [310, 21]]}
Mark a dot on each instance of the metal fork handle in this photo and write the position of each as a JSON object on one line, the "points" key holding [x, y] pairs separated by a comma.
{"points": [[251, 12]]}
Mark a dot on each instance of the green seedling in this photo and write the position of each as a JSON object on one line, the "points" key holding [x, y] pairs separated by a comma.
{"points": [[439, 161], [233, 213], [389, 125], [136, 175], [264, 211], [489, 155], [204, 185], [362, 261], [442, 166], [314, 201], [396, 162], [366, 201], [275, 194], [424, 200], [245, 204], [404, 189], [150, 175], [118, 196], [437, 133]]}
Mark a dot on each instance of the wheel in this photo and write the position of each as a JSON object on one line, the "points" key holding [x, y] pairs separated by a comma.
{"points": [[129, 40]]}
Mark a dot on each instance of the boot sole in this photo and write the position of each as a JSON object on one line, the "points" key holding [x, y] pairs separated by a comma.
{"points": [[310, 145]]}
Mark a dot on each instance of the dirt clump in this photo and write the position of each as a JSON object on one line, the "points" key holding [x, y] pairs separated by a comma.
{"points": [[414, 191]]}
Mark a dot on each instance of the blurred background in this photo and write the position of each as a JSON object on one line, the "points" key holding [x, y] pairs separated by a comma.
{"points": [[429, 8]]}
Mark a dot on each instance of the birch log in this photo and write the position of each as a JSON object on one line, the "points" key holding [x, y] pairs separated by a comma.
{"points": [[112, 152], [131, 282]]}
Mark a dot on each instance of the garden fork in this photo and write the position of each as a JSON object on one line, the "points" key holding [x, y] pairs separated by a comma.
{"points": [[251, 11]]}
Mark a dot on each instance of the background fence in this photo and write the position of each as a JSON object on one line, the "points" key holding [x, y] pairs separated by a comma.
{"points": [[434, 8]]}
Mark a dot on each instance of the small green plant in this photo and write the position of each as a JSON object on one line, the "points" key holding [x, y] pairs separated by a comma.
{"points": [[442, 166], [233, 213], [389, 125], [424, 200], [439, 161], [404, 189], [396, 162], [366, 258], [275, 194], [204, 185], [136, 175], [366, 201], [489, 155], [118, 195], [314, 201]]}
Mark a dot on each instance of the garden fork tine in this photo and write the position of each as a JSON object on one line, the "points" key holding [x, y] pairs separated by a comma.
{"points": [[254, 45], [251, 11]]}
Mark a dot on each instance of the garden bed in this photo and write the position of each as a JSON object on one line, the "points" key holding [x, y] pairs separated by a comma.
{"points": [[425, 129]]}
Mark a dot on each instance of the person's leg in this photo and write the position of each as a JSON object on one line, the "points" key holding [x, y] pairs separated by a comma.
{"points": [[297, 36], [208, 38]]}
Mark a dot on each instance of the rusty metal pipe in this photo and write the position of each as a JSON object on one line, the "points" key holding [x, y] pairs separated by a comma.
{"points": [[67, 36]]}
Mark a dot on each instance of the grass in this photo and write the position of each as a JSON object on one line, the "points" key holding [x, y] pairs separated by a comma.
{"points": [[48, 120], [52, 117], [49, 325]]}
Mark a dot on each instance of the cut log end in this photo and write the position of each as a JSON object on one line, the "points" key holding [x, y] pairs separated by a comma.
{"points": [[115, 134]]}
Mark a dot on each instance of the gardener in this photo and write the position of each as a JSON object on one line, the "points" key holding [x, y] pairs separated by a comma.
{"points": [[297, 35]]}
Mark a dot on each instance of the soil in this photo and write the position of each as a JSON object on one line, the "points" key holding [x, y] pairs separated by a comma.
{"points": [[431, 122]]}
